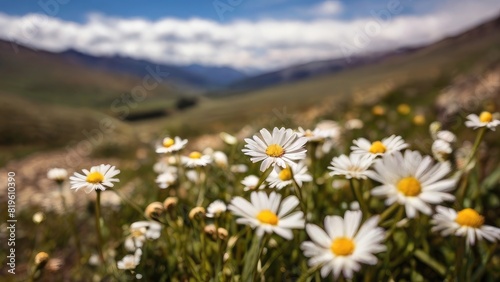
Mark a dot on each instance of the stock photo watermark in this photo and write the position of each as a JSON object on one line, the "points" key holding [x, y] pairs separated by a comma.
{"points": [[30, 27], [222, 7], [11, 222], [380, 19]]}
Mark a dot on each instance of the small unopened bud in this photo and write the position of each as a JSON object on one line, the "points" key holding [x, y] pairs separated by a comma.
{"points": [[222, 232], [170, 202], [210, 230], [232, 241], [197, 211], [154, 211], [41, 259]]}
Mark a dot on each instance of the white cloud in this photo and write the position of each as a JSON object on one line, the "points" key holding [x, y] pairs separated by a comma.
{"points": [[261, 44]]}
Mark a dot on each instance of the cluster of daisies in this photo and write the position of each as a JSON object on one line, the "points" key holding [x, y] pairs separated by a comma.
{"points": [[402, 178]]}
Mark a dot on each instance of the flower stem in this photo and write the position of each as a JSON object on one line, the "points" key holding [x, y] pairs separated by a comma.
{"points": [[356, 191], [264, 176], [98, 224], [388, 212], [459, 257]]}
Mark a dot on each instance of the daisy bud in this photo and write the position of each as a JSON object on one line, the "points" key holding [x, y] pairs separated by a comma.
{"points": [[41, 259], [232, 241], [210, 230], [197, 211], [170, 202], [222, 233], [154, 210]]}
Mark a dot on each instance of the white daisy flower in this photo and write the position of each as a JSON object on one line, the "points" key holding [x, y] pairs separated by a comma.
{"points": [[268, 214], [413, 181], [344, 244], [279, 149], [192, 175], [130, 262], [446, 135], [467, 222], [57, 174], [167, 178], [441, 150], [228, 138], [354, 166], [99, 177], [485, 119], [283, 177], [239, 168], [250, 182], [220, 159], [215, 208], [354, 124], [386, 146], [315, 135], [195, 159], [169, 145], [331, 132], [141, 231], [329, 129]]}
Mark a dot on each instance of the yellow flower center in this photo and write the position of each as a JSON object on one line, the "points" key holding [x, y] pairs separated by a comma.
{"points": [[195, 155], [404, 109], [485, 117], [409, 186], [285, 174], [342, 246], [275, 150], [469, 217], [95, 177], [267, 217], [377, 148], [167, 142]]}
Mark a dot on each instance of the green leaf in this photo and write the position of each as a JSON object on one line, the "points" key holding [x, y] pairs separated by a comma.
{"points": [[434, 264]]}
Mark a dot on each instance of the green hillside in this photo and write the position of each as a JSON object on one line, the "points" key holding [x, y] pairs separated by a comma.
{"points": [[48, 78]]}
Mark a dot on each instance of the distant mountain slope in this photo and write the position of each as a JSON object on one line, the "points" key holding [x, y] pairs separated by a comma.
{"points": [[216, 75], [51, 78], [192, 77]]}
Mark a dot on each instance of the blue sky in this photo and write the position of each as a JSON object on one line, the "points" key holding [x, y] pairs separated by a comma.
{"points": [[76, 10], [245, 34]]}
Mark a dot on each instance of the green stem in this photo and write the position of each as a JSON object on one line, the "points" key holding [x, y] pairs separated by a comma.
{"points": [[263, 177], [356, 191], [298, 193], [427, 259], [201, 186], [459, 258], [98, 224], [479, 138], [71, 222], [219, 254], [388, 212], [309, 273], [251, 259], [480, 271]]}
